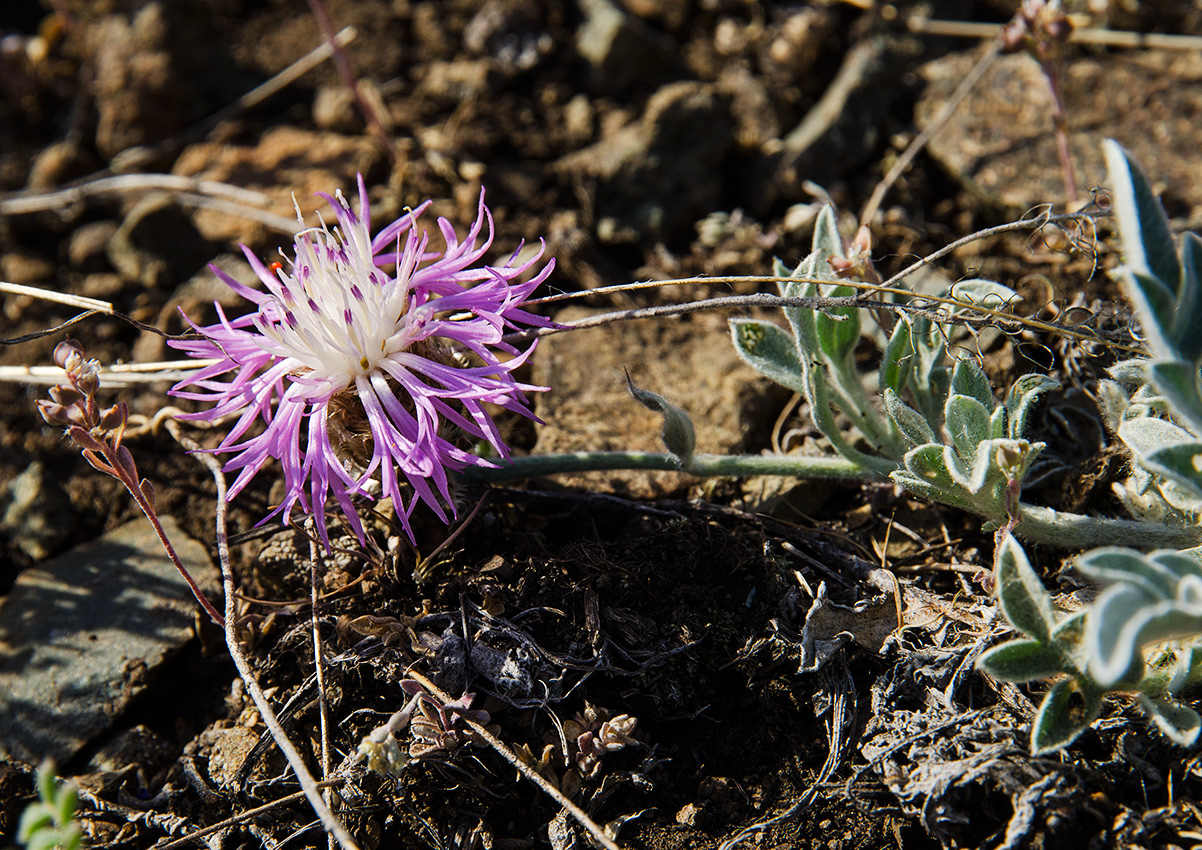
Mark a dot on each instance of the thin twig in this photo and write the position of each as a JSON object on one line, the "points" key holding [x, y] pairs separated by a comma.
{"points": [[920, 141], [526, 770], [123, 183], [319, 669], [308, 784], [1092, 35]]}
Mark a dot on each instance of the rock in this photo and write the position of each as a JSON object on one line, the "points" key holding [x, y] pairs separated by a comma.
{"points": [[286, 161], [23, 267], [139, 97], [1000, 144], [756, 121], [156, 243], [87, 250], [690, 361], [842, 130], [37, 513], [511, 33], [620, 49], [82, 635], [455, 81], [657, 177], [334, 108]]}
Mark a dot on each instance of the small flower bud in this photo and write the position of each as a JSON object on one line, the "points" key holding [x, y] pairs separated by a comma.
{"points": [[68, 354], [66, 395], [87, 377], [114, 417], [53, 413]]}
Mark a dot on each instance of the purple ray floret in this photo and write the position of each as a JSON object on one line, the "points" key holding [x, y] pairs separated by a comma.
{"points": [[360, 374]]}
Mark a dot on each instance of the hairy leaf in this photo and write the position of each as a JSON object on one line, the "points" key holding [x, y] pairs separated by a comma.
{"points": [[1143, 227], [1180, 723], [770, 350], [1022, 597], [1115, 565], [969, 379], [967, 422], [897, 362], [1021, 399], [908, 421], [1112, 634], [1178, 382], [1181, 463], [1066, 712], [1187, 322], [1022, 661]]}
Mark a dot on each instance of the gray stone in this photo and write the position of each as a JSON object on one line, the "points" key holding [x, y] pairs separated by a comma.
{"points": [[620, 49], [37, 512], [655, 178], [1000, 143], [84, 633]]}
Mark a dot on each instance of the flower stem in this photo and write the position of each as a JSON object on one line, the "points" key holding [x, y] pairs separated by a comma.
{"points": [[702, 466]]}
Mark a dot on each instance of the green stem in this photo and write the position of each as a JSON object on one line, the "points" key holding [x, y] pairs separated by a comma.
{"points": [[1074, 531], [702, 466]]}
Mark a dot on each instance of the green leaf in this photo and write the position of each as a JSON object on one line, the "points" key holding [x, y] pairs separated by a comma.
{"points": [[1179, 723], [997, 424], [968, 379], [1181, 463], [34, 819], [907, 420], [827, 242], [780, 270], [1066, 712], [1112, 634], [1143, 227], [967, 422], [1022, 597], [1180, 564], [65, 802], [897, 362], [1187, 322], [770, 350], [928, 463], [1146, 434], [1178, 382], [1111, 565], [1022, 661], [1021, 399], [678, 434], [1154, 306], [837, 337]]}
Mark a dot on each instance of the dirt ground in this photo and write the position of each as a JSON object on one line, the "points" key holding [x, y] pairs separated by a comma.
{"points": [[643, 139]]}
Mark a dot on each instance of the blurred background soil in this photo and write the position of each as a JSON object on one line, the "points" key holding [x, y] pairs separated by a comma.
{"points": [[641, 139]]}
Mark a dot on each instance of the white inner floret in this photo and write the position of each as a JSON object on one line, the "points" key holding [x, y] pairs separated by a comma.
{"points": [[340, 315]]}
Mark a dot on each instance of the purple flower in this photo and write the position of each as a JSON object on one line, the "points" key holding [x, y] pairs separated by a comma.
{"points": [[361, 374]]}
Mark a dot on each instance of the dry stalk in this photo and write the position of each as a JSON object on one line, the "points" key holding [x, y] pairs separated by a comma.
{"points": [[309, 785]]}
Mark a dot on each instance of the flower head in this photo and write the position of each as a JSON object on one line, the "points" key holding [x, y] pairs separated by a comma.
{"points": [[363, 374]]}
